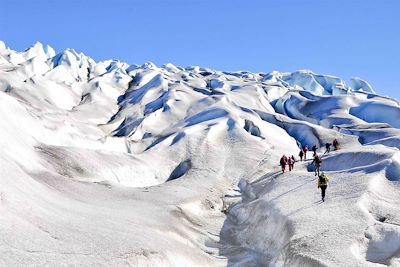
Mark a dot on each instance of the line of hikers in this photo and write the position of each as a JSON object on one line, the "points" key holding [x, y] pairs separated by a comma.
{"points": [[304, 150], [322, 178]]}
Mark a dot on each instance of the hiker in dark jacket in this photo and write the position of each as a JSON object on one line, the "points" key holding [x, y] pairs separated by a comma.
{"points": [[314, 149], [323, 184], [301, 154], [327, 147]]}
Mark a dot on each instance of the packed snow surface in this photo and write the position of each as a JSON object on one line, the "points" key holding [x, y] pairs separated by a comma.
{"points": [[111, 164]]}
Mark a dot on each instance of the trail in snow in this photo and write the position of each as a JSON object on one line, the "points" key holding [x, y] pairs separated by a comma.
{"points": [[281, 220]]}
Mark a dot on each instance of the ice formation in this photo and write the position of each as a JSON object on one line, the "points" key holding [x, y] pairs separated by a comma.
{"points": [[111, 164]]}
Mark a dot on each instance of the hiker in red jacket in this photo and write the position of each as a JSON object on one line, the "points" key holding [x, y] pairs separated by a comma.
{"points": [[305, 149], [317, 162], [335, 144]]}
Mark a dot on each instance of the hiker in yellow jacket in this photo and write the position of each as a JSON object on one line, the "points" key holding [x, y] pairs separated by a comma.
{"points": [[323, 184]]}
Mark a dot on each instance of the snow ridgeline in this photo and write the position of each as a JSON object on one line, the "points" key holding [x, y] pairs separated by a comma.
{"points": [[114, 164]]}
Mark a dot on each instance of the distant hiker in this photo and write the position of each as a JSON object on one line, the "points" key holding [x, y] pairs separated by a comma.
{"points": [[335, 144], [301, 154], [317, 162], [305, 149], [323, 184], [314, 149], [283, 163], [328, 147], [291, 162]]}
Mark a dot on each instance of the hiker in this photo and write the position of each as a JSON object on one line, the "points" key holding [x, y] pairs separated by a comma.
{"points": [[305, 149], [317, 162], [291, 162], [335, 144], [314, 149], [301, 154], [323, 184], [283, 163], [327, 147]]}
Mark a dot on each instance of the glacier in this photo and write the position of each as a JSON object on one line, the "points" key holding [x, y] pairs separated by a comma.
{"points": [[113, 164]]}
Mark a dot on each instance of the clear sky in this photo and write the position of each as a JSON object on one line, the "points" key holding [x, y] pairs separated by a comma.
{"points": [[344, 38]]}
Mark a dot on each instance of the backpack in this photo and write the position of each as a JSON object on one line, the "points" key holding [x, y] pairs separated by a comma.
{"points": [[322, 180]]}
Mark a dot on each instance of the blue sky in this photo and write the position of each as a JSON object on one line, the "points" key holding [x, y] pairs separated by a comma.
{"points": [[344, 38]]}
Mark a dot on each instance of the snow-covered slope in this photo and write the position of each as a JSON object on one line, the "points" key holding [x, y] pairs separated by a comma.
{"points": [[106, 163]]}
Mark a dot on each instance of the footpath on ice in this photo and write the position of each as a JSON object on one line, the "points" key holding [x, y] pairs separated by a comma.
{"points": [[282, 221]]}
